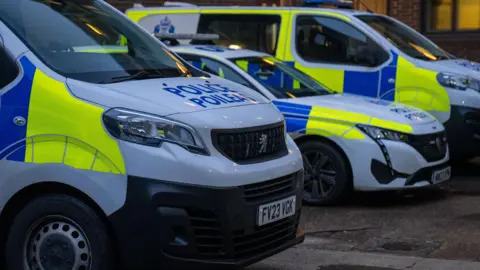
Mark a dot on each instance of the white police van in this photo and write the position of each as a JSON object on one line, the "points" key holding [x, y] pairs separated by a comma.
{"points": [[347, 141], [131, 158], [351, 51]]}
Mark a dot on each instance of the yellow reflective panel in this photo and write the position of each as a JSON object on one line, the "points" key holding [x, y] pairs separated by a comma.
{"points": [[338, 115], [220, 73], [391, 125], [296, 84], [354, 134], [419, 88], [331, 78], [326, 128], [321, 12], [242, 64], [137, 15], [340, 122], [66, 130]]}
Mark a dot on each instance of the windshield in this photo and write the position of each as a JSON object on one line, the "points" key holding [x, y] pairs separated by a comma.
{"points": [[407, 40], [89, 41], [281, 79]]}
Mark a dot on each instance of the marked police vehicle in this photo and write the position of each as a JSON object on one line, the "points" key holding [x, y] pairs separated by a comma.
{"points": [[347, 141], [350, 51], [129, 157]]}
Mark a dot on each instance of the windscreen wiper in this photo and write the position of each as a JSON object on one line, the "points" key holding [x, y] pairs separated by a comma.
{"points": [[141, 75]]}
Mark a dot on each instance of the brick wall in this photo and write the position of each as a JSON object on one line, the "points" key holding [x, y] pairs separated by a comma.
{"points": [[409, 12]]}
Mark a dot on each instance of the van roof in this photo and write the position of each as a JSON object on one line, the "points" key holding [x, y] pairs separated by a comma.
{"points": [[345, 12], [216, 51]]}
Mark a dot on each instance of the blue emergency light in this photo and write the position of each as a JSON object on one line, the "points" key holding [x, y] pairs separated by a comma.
{"points": [[338, 3]]}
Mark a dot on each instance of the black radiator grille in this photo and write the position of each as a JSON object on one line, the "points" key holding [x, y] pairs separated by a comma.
{"points": [[433, 147], [244, 145]]}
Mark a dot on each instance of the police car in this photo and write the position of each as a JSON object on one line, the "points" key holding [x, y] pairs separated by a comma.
{"points": [[347, 141], [350, 51], [128, 157]]}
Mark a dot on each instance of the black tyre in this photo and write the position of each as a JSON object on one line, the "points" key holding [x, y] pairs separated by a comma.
{"points": [[58, 232], [327, 174]]}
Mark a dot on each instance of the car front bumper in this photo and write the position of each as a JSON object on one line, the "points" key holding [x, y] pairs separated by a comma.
{"points": [[397, 166], [193, 227]]}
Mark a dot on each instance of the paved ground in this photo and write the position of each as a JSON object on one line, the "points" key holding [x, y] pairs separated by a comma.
{"points": [[394, 231]]}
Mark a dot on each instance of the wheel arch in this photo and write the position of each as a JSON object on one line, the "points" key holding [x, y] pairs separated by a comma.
{"points": [[35, 190]]}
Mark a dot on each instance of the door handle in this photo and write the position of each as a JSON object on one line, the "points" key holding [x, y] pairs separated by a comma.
{"points": [[391, 80]]}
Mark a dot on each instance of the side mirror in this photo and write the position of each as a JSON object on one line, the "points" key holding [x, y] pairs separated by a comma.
{"points": [[365, 55]]}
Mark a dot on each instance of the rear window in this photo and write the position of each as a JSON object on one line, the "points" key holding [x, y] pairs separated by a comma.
{"points": [[255, 32]]}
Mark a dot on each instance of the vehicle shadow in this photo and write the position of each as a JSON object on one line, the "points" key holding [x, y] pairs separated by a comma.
{"points": [[405, 198], [467, 169]]}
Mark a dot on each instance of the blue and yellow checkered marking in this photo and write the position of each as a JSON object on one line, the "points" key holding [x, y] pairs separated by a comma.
{"points": [[59, 129], [305, 119], [296, 115]]}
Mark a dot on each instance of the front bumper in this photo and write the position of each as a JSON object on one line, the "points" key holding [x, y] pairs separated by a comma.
{"points": [[371, 170], [463, 130], [399, 180], [192, 227]]}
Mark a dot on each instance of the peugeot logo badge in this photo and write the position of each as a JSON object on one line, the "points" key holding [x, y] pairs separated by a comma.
{"points": [[263, 143]]}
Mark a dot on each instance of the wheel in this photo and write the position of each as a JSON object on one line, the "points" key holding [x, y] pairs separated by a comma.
{"points": [[327, 174], [58, 232]]}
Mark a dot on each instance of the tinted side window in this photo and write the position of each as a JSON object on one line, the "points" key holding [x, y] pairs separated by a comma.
{"points": [[255, 32], [328, 40], [8, 69], [216, 68]]}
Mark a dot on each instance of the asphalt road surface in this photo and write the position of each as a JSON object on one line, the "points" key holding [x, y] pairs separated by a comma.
{"points": [[422, 228]]}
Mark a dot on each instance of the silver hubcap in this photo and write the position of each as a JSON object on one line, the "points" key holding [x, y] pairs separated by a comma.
{"points": [[320, 175], [57, 243]]}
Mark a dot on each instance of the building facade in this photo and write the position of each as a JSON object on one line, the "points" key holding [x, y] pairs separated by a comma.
{"points": [[452, 24]]}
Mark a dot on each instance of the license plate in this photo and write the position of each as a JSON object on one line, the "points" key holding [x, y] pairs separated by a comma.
{"points": [[441, 175], [277, 210]]}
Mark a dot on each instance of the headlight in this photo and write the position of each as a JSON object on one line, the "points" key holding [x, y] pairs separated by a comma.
{"points": [[377, 133], [151, 130], [457, 81]]}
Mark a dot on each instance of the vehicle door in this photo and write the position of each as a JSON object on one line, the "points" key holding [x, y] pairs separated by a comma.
{"points": [[330, 48], [258, 30]]}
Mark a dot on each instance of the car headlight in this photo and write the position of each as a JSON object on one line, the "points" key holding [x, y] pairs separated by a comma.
{"points": [[458, 82], [377, 133], [151, 130]]}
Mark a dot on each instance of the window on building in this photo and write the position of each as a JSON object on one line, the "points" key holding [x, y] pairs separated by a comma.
{"points": [[327, 40], [8, 69], [452, 15], [255, 32]]}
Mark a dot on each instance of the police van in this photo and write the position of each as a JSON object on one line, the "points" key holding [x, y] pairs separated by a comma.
{"points": [[132, 158], [349, 51], [347, 141]]}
